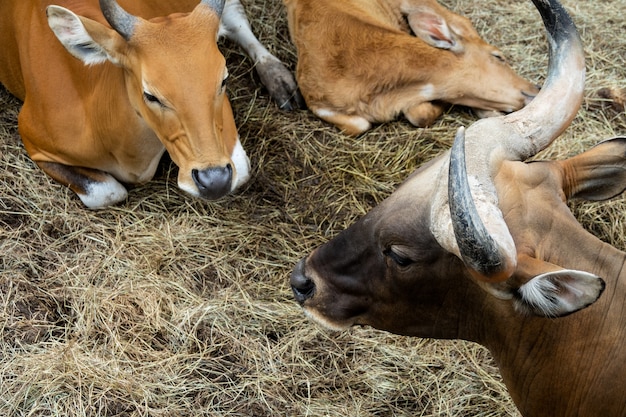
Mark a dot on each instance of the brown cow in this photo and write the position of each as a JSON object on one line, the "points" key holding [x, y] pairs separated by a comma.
{"points": [[368, 61], [480, 245], [142, 84]]}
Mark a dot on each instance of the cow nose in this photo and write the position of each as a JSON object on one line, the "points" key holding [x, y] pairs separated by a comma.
{"points": [[213, 183], [302, 287], [529, 95]]}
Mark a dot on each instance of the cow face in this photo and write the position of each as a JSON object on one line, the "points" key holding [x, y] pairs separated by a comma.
{"points": [[181, 95], [175, 80], [386, 270], [483, 78], [493, 86]]}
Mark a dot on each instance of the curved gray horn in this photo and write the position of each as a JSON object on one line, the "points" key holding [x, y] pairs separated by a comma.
{"points": [[481, 235], [478, 249], [118, 18], [556, 105], [217, 5]]}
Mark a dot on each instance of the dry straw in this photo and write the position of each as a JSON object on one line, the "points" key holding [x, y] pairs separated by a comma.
{"points": [[169, 306]]}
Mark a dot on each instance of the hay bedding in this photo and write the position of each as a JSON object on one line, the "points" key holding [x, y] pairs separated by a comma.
{"points": [[169, 306]]}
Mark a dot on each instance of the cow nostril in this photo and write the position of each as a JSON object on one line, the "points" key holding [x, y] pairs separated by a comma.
{"points": [[213, 183], [302, 287], [304, 291], [528, 97]]}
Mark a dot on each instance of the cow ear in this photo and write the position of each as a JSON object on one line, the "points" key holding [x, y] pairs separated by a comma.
{"points": [[84, 38], [556, 292], [432, 28], [597, 174]]}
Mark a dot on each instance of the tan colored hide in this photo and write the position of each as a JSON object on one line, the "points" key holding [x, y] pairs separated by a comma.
{"points": [[368, 61]]}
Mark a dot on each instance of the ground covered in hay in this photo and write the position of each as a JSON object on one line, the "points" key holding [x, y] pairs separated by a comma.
{"points": [[169, 306]]}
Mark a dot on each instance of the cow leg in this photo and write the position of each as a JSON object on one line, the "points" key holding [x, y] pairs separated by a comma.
{"points": [[274, 75], [349, 124], [95, 188], [424, 114]]}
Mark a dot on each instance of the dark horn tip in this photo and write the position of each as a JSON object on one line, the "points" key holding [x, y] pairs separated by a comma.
{"points": [[217, 5], [478, 249], [120, 20]]}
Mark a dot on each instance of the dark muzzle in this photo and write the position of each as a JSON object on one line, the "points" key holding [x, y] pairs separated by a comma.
{"points": [[213, 183], [303, 288]]}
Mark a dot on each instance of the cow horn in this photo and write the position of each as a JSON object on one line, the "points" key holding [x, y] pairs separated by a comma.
{"points": [[556, 105], [217, 5], [118, 18], [491, 253], [490, 260]]}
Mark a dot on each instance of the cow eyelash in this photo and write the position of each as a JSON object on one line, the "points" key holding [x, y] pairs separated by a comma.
{"points": [[149, 98], [499, 57], [398, 259]]}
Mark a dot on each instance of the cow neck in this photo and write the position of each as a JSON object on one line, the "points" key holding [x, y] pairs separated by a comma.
{"points": [[536, 355], [484, 319]]}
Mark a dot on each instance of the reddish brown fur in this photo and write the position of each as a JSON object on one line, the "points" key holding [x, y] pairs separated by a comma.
{"points": [[359, 63]]}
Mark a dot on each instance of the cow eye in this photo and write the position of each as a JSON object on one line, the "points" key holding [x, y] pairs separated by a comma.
{"points": [[400, 260], [224, 82], [151, 99], [498, 56]]}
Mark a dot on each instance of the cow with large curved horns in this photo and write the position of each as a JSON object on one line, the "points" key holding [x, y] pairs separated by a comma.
{"points": [[480, 245], [151, 79]]}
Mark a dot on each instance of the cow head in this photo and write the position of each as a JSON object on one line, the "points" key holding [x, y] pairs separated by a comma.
{"points": [[477, 224], [175, 79], [487, 82]]}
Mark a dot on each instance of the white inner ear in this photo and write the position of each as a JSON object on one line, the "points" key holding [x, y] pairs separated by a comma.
{"points": [[556, 294], [432, 28], [70, 31]]}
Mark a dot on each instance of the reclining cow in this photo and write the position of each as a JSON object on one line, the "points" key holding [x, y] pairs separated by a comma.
{"points": [[368, 61], [480, 245], [143, 87]]}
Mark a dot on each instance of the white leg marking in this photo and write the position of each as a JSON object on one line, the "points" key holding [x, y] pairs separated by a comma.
{"points": [[235, 26], [359, 123], [427, 92], [104, 194]]}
